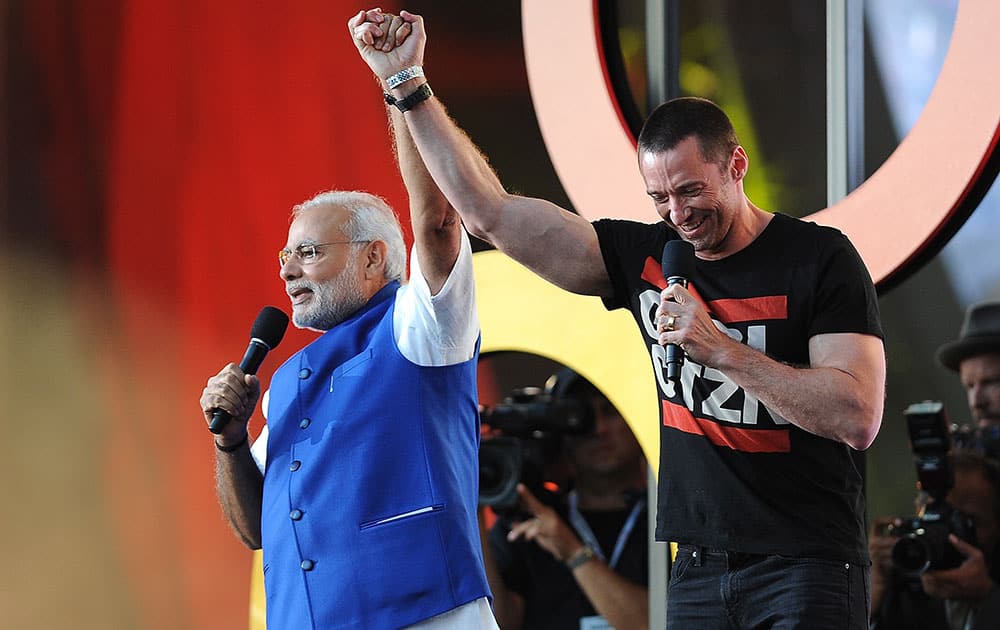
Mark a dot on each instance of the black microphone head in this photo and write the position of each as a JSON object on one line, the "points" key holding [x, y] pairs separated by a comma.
{"points": [[269, 326], [678, 259]]}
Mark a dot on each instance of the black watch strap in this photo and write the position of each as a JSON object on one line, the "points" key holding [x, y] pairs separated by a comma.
{"points": [[420, 95]]}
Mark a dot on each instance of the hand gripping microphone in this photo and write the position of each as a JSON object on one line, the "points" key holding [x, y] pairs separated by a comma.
{"points": [[265, 335], [678, 265]]}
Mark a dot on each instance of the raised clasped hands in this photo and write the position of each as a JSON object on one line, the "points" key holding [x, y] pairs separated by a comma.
{"points": [[388, 43]]}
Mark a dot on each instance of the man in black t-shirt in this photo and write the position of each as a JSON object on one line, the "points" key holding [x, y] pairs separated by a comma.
{"points": [[583, 563], [784, 369]]}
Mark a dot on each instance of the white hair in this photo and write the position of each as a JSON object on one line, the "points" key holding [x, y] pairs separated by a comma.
{"points": [[371, 219]]}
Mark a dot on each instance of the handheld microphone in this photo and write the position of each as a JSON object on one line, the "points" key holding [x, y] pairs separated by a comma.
{"points": [[265, 335], [678, 265]]}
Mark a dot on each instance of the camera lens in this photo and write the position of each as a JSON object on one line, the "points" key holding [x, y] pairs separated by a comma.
{"points": [[911, 555], [500, 463]]}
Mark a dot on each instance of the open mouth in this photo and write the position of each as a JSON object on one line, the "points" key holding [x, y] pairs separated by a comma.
{"points": [[299, 295], [689, 228]]}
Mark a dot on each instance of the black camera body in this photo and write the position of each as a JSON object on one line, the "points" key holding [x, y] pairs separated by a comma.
{"points": [[531, 423], [923, 539]]}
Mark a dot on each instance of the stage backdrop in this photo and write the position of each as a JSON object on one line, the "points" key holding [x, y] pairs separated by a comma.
{"points": [[156, 149]]}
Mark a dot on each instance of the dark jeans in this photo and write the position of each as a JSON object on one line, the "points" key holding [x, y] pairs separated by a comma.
{"points": [[724, 590]]}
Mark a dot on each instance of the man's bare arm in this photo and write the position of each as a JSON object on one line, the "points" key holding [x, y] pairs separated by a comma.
{"points": [[239, 484], [839, 395], [558, 245], [436, 225], [240, 487]]}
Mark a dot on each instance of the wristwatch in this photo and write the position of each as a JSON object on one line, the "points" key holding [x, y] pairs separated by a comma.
{"points": [[584, 555], [421, 94]]}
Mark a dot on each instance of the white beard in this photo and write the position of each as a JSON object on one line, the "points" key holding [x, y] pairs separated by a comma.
{"points": [[332, 302]]}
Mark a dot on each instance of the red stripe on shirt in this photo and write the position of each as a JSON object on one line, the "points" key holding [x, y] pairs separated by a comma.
{"points": [[730, 310], [750, 309], [743, 440], [652, 273]]}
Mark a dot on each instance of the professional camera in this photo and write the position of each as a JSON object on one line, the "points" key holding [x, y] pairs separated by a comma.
{"points": [[923, 539], [531, 423]]}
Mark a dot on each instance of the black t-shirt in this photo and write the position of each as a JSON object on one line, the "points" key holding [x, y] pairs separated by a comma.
{"points": [[733, 474], [552, 598]]}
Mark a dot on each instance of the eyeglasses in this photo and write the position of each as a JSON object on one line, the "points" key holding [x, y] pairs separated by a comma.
{"points": [[308, 253]]}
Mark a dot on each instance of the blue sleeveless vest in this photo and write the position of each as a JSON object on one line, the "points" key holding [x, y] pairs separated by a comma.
{"points": [[372, 480]]}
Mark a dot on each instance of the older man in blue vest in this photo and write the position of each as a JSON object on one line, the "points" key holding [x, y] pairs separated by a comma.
{"points": [[362, 487]]}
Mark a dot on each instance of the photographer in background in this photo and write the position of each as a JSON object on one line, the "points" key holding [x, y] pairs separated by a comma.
{"points": [[966, 597], [976, 358], [583, 563]]}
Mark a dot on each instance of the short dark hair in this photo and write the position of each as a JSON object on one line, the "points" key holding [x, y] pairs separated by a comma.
{"points": [[680, 118]]}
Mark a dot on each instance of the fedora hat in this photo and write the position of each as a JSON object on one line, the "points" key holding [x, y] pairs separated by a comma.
{"points": [[980, 335]]}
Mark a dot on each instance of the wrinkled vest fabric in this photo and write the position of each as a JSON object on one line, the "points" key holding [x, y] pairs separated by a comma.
{"points": [[370, 493]]}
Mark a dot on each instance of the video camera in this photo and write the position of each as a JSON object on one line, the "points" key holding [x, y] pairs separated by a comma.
{"points": [[923, 539], [531, 422]]}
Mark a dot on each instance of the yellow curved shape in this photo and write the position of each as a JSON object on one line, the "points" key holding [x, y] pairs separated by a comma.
{"points": [[518, 311], [258, 607]]}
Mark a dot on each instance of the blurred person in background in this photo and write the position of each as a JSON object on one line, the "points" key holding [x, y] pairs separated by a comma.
{"points": [[966, 597], [580, 560]]}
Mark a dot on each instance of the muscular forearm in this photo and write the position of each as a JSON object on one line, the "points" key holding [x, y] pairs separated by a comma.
{"points": [[526, 229], [457, 166], [425, 196], [826, 401], [240, 487], [621, 602]]}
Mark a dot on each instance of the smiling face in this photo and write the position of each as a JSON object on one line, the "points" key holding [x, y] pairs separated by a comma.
{"points": [[326, 291], [701, 200]]}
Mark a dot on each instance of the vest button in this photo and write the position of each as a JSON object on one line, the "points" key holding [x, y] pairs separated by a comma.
{"points": [[295, 515], [304, 373], [304, 423], [295, 465], [307, 565]]}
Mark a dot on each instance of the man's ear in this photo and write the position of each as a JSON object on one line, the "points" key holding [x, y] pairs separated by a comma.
{"points": [[375, 260], [739, 164]]}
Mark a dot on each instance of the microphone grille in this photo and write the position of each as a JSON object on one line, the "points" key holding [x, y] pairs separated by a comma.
{"points": [[678, 259], [269, 326]]}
